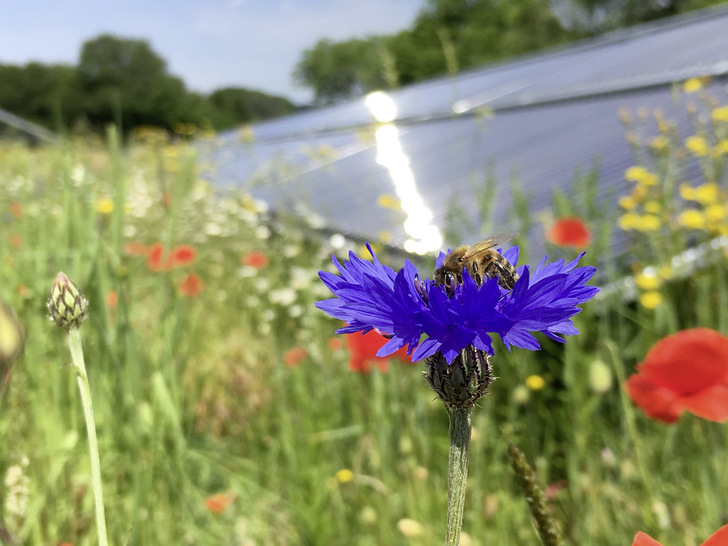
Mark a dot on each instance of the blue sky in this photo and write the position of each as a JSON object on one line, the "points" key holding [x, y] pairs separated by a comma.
{"points": [[208, 43]]}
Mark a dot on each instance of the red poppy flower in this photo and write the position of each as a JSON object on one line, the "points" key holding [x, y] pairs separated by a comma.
{"points": [[217, 503], [294, 356], [363, 350], [155, 257], [569, 232], [685, 371], [181, 255], [16, 241], [335, 344], [719, 538], [191, 286], [255, 259]]}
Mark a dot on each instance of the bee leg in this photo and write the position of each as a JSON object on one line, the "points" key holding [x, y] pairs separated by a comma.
{"points": [[496, 270], [476, 276]]}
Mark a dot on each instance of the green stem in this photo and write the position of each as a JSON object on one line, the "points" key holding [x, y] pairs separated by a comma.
{"points": [[74, 342], [631, 419], [460, 428]]}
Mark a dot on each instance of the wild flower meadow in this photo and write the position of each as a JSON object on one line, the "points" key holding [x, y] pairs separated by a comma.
{"points": [[228, 411]]}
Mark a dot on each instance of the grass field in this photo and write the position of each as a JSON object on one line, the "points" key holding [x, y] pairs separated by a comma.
{"points": [[226, 409]]}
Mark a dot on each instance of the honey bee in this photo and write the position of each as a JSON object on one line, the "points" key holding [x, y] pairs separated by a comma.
{"points": [[481, 261]]}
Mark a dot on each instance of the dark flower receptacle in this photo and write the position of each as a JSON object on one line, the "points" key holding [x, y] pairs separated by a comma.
{"points": [[462, 382]]}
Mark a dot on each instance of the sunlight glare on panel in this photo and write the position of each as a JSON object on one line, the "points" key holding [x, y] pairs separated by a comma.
{"points": [[424, 237]]}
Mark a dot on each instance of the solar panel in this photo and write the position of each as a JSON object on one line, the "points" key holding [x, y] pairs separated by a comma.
{"points": [[542, 117]]}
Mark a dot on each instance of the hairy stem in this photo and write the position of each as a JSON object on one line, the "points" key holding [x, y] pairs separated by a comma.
{"points": [[460, 428]]}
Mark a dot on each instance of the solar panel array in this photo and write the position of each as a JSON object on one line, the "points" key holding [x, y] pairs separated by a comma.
{"points": [[542, 117]]}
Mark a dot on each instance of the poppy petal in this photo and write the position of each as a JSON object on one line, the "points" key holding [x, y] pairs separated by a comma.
{"points": [[657, 402], [711, 403], [643, 539], [719, 538]]}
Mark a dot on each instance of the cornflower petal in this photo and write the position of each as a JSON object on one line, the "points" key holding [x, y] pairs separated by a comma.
{"points": [[430, 319], [511, 255], [546, 301], [370, 296]]}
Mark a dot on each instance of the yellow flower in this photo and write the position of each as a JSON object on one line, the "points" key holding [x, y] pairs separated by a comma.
{"points": [[694, 84], [720, 148], [660, 142], [687, 192], [641, 175], [385, 236], [707, 194], [720, 114], [344, 475], [697, 145], [105, 205], [627, 203], [535, 382], [647, 280], [627, 221], [653, 207], [665, 272], [651, 300], [715, 212], [691, 219], [647, 222], [388, 201], [171, 151], [639, 192]]}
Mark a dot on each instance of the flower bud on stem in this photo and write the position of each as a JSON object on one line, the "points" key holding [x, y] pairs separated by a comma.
{"points": [[68, 307], [459, 385]]}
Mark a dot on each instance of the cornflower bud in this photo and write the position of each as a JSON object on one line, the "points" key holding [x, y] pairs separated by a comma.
{"points": [[66, 304]]}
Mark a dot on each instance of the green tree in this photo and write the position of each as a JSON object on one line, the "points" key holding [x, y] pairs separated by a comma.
{"points": [[45, 94], [124, 81], [446, 36], [233, 106], [339, 70], [488, 30]]}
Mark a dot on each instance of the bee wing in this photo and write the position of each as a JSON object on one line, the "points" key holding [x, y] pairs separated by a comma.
{"points": [[487, 243]]}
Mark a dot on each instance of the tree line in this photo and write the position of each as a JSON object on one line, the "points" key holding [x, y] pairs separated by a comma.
{"points": [[451, 35], [123, 81]]}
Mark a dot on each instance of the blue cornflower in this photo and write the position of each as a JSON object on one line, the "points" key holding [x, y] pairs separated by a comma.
{"points": [[428, 320]]}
